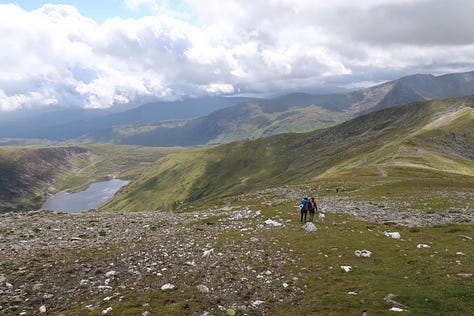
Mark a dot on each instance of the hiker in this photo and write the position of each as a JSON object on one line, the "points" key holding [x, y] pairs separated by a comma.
{"points": [[304, 209], [313, 207]]}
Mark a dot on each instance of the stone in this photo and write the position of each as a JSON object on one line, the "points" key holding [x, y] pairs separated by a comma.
{"points": [[202, 288], [111, 274], [395, 235], [309, 227], [271, 222], [363, 253], [419, 246], [42, 309], [168, 286]]}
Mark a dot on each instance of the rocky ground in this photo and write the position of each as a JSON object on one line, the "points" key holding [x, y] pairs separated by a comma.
{"points": [[54, 263]]}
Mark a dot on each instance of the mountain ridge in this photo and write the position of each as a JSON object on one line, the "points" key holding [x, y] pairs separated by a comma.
{"points": [[299, 112], [208, 121], [244, 166]]}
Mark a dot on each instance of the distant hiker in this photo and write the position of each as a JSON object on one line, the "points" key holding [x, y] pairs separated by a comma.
{"points": [[304, 209], [312, 208]]}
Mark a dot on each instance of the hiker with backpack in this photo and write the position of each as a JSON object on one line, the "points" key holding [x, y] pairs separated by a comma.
{"points": [[312, 207], [304, 209]]}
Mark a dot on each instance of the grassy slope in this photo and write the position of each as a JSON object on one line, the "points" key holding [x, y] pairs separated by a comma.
{"points": [[370, 145], [429, 281]]}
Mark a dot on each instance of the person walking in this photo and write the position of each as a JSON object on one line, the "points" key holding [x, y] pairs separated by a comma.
{"points": [[304, 209], [313, 207]]}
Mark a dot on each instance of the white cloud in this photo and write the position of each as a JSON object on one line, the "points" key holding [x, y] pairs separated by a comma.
{"points": [[54, 55]]}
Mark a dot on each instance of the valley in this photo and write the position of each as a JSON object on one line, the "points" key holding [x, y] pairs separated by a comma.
{"points": [[396, 185]]}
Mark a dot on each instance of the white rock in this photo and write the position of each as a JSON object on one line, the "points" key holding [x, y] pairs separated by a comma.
{"points": [[363, 253], [422, 246], [397, 309], [111, 274], [9, 285], [321, 216], [202, 288], [395, 235], [285, 285], [257, 303], [207, 253], [105, 311], [309, 227], [459, 253], [271, 222], [346, 268], [42, 309], [352, 293], [168, 286], [465, 275]]}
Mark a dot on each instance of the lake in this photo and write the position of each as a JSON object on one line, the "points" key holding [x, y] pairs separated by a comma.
{"points": [[96, 194]]}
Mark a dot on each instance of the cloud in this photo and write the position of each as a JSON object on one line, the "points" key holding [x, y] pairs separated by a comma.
{"points": [[56, 56]]}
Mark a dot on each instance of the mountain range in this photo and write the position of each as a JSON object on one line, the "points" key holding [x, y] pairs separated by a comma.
{"points": [[429, 139], [297, 112], [215, 120]]}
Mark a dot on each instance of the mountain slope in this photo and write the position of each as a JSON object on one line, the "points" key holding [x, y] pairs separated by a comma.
{"points": [[69, 123], [29, 174], [297, 112], [26, 172], [360, 146]]}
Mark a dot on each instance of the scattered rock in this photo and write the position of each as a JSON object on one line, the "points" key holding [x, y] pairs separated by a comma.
{"points": [[271, 222], [168, 286], [207, 253], [397, 309], [111, 274], [363, 253], [422, 246], [202, 288], [390, 299], [107, 310], [465, 275], [395, 235], [257, 303], [346, 268], [42, 309], [464, 237], [309, 227]]}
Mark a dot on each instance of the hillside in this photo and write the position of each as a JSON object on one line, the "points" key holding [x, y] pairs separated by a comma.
{"points": [[70, 123], [429, 139], [297, 112], [29, 174], [26, 173]]}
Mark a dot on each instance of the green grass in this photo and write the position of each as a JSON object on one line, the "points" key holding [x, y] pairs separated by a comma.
{"points": [[120, 161], [425, 280], [387, 143]]}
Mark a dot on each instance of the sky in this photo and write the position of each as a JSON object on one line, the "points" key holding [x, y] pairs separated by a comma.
{"points": [[100, 54]]}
